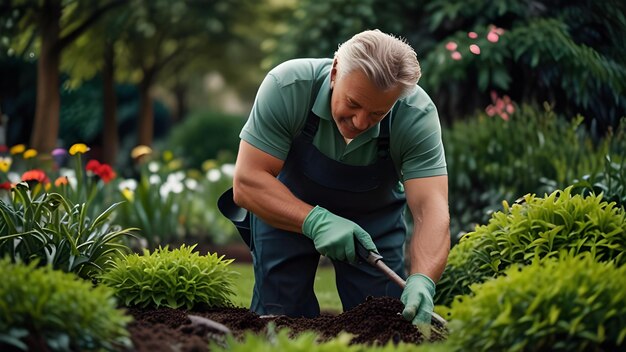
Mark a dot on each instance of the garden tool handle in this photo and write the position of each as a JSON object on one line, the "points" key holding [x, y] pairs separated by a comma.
{"points": [[376, 260]]}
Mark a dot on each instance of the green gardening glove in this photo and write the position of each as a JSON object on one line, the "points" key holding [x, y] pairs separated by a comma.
{"points": [[418, 299], [334, 236]]}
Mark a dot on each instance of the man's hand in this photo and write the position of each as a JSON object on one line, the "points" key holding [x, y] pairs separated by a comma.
{"points": [[418, 299], [333, 235]]}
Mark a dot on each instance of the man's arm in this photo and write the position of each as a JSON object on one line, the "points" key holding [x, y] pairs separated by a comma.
{"points": [[427, 199], [257, 189]]}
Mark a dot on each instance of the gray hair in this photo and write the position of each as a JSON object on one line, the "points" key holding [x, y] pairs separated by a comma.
{"points": [[387, 61]]}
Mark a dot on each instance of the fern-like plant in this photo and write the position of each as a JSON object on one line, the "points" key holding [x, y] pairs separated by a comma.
{"points": [[50, 229], [42, 309], [171, 278], [536, 228], [565, 304]]}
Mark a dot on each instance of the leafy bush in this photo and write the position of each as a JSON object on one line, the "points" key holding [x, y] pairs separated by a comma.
{"points": [[283, 341], [171, 278], [566, 304], [45, 309], [490, 160], [611, 182], [308, 341], [568, 53], [50, 229], [537, 228], [207, 135]]}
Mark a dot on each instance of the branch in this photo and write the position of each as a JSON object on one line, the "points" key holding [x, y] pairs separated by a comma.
{"points": [[70, 37]]}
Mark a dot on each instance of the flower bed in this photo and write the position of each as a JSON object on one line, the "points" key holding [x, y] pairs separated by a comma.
{"points": [[377, 321]]}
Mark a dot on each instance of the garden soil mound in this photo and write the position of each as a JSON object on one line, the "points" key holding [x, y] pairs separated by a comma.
{"points": [[377, 321]]}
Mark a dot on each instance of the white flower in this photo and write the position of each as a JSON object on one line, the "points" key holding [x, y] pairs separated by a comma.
{"points": [[153, 166], [213, 175], [228, 169], [130, 184]]}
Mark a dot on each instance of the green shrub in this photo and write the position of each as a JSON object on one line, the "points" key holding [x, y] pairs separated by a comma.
{"points": [[283, 341], [536, 228], [42, 308], [207, 135], [171, 278], [308, 341], [611, 182], [490, 160], [565, 304], [50, 229]]}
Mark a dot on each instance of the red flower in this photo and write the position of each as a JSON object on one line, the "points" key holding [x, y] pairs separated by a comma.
{"points": [[5, 185], [92, 166], [35, 175], [3, 148], [105, 172]]}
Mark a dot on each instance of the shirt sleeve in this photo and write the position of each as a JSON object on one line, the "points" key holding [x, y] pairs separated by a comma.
{"points": [[420, 144], [269, 127]]}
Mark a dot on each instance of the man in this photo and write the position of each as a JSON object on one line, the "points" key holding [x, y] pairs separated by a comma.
{"points": [[332, 153]]}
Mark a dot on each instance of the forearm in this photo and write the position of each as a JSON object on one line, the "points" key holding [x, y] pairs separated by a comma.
{"points": [[269, 199], [430, 244]]}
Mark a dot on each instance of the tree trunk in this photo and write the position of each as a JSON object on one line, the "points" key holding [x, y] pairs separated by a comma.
{"points": [[110, 137], [180, 91], [146, 112], [47, 108]]}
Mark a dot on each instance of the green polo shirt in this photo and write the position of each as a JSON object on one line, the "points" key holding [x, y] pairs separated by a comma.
{"points": [[284, 100]]}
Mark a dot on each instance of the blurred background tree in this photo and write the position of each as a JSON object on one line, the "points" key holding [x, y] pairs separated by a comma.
{"points": [[196, 56]]}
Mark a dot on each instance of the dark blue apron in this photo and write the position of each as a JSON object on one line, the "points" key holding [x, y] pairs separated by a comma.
{"points": [[285, 262]]}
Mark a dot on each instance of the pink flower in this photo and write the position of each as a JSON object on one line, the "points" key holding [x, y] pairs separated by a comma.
{"points": [[475, 49], [502, 107], [498, 30], [456, 56], [493, 37], [451, 46], [472, 35]]}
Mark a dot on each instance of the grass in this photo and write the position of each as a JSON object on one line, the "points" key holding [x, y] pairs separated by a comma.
{"points": [[325, 287]]}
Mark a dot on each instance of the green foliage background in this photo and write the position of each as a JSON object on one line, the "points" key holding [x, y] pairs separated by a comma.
{"points": [[58, 309]]}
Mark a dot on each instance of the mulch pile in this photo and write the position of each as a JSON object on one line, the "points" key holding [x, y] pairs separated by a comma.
{"points": [[377, 321]]}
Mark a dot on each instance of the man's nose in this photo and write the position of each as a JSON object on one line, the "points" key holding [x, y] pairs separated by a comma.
{"points": [[360, 121]]}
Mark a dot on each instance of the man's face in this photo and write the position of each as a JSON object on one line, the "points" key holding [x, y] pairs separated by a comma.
{"points": [[356, 104]]}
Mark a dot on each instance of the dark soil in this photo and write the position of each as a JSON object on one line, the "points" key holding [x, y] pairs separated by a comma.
{"points": [[377, 321]]}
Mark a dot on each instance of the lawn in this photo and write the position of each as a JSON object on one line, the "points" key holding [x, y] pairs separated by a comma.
{"points": [[325, 287]]}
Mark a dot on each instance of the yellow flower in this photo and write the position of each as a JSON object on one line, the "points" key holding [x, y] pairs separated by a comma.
{"points": [[140, 151], [80, 148], [30, 153], [128, 194], [209, 164], [168, 155], [5, 163], [175, 164], [17, 149]]}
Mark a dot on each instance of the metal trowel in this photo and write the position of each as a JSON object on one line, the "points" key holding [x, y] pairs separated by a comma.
{"points": [[376, 260]]}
